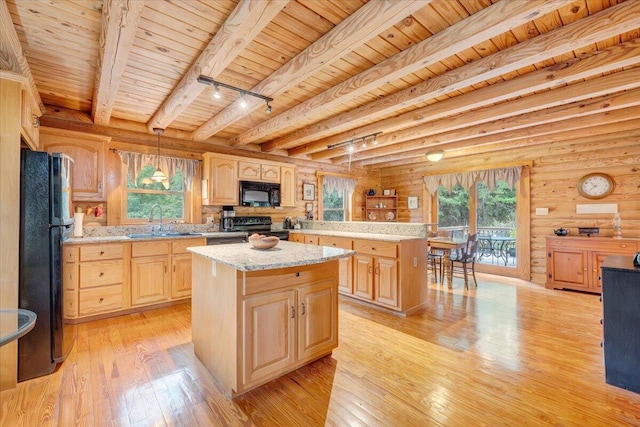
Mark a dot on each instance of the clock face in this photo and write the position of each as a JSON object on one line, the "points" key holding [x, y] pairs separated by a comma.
{"points": [[596, 185]]}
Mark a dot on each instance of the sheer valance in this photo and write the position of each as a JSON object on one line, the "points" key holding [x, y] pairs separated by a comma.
{"points": [[466, 179], [136, 161], [339, 184]]}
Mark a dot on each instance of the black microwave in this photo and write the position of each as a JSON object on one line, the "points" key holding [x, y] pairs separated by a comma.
{"points": [[259, 194]]}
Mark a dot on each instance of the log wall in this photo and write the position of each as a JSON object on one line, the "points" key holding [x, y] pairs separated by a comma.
{"points": [[556, 169]]}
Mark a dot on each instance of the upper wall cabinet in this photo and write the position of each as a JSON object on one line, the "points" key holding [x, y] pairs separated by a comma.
{"points": [[288, 186], [89, 156], [222, 173], [29, 122], [253, 171]]}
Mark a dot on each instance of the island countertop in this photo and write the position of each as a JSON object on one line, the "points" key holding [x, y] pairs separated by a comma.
{"points": [[355, 235], [244, 257]]}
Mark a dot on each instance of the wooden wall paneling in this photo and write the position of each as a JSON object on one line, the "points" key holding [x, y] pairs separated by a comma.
{"points": [[10, 109]]}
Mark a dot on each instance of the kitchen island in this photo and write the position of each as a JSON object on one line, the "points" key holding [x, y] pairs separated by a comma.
{"points": [[259, 314]]}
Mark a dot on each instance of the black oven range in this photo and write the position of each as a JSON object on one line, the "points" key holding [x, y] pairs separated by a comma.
{"points": [[258, 224]]}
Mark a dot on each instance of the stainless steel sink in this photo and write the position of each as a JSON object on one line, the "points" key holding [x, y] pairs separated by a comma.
{"points": [[151, 236]]}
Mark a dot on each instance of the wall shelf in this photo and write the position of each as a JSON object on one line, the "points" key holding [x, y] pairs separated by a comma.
{"points": [[382, 208]]}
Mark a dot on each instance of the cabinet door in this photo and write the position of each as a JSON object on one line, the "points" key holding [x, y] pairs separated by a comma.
{"points": [[386, 281], [317, 320], [569, 267], [296, 237], [30, 123], [249, 171], [363, 276], [88, 165], [181, 275], [269, 335], [287, 186], [224, 182], [270, 173], [149, 279]]}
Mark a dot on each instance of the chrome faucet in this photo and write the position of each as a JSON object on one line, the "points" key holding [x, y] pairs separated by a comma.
{"points": [[151, 217]]}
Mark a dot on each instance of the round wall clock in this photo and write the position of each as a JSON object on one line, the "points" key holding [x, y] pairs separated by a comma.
{"points": [[596, 185]]}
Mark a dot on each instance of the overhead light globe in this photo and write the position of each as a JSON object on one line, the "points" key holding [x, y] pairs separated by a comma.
{"points": [[434, 156]]}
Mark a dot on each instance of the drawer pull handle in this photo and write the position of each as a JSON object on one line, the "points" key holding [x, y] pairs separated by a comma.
{"points": [[370, 269], [297, 274], [101, 299], [377, 270], [303, 311], [101, 252], [101, 274], [293, 312]]}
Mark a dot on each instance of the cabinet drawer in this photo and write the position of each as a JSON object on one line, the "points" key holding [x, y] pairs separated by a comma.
{"points": [[99, 300], [100, 273], [70, 253], [180, 246], [372, 247], [311, 240], [98, 252], [268, 280], [336, 242], [150, 248]]}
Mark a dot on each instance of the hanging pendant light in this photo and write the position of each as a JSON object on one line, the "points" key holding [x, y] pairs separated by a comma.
{"points": [[158, 175]]}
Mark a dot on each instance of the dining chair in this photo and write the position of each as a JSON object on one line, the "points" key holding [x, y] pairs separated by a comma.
{"points": [[464, 260], [435, 263]]}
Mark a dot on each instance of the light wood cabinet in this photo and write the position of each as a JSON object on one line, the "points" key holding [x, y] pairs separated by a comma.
{"points": [[345, 279], [284, 318], [287, 186], [29, 122], [106, 279], [388, 274], [222, 173], [149, 272], [255, 171], [574, 262], [89, 159]]}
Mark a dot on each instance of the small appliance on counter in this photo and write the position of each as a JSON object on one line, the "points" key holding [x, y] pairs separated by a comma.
{"points": [[226, 218]]}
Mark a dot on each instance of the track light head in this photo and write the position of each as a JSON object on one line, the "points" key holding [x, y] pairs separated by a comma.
{"points": [[268, 109], [243, 102], [216, 91]]}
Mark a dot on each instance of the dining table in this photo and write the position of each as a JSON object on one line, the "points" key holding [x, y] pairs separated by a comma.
{"points": [[447, 244]]}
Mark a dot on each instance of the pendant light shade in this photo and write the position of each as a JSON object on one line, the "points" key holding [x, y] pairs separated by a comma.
{"points": [[158, 175]]}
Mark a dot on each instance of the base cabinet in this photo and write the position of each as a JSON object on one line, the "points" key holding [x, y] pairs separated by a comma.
{"points": [[107, 279], [574, 262], [388, 274], [276, 320]]}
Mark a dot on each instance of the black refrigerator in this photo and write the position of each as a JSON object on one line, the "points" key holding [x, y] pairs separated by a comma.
{"points": [[45, 213]]}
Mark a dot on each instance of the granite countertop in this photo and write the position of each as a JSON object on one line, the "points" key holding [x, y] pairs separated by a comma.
{"points": [[125, 239], [244, 257], [354, 235]]}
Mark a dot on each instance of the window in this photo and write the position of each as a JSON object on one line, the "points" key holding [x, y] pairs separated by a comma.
{"points": [[453, 208], [334, 204], [142, 194]]}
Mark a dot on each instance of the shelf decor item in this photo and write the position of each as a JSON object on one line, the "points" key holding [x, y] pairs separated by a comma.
{"points": [[308, 191], [617, 226]]}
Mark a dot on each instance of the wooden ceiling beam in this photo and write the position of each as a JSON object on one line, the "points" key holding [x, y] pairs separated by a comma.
{"points": [[481, 26], [590, 30], [12, 57], [246, 21], [367, 21], [120, 20], [624, 119], [612, 83]]}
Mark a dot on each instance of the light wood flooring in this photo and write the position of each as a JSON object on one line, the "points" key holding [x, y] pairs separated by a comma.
{"points": [[506, 354]]}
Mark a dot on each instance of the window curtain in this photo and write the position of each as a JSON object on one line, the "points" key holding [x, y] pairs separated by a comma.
{"points": [[339, 184], [466, 179], [136, 161]]}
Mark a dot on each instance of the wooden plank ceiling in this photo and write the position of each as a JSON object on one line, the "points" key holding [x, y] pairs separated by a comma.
{"points": [[463, 76]]}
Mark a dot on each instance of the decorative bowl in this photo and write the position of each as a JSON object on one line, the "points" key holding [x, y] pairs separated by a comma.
{"points": [[263, 242]]}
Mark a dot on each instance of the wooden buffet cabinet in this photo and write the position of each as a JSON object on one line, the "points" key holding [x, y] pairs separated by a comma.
{"points": [[574, 262], [113, 278], [388, 274]]}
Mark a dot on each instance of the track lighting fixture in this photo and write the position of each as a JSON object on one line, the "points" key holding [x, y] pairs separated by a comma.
{"points": [[243, 93], [351, 144]]}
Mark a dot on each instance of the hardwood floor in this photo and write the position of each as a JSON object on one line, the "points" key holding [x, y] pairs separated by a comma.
{"points": [[502, 354]]}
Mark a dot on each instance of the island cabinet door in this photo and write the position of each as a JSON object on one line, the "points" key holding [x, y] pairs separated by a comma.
{"points": [[317, 320], [269, 335], [363, 277], [386, 281]]}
